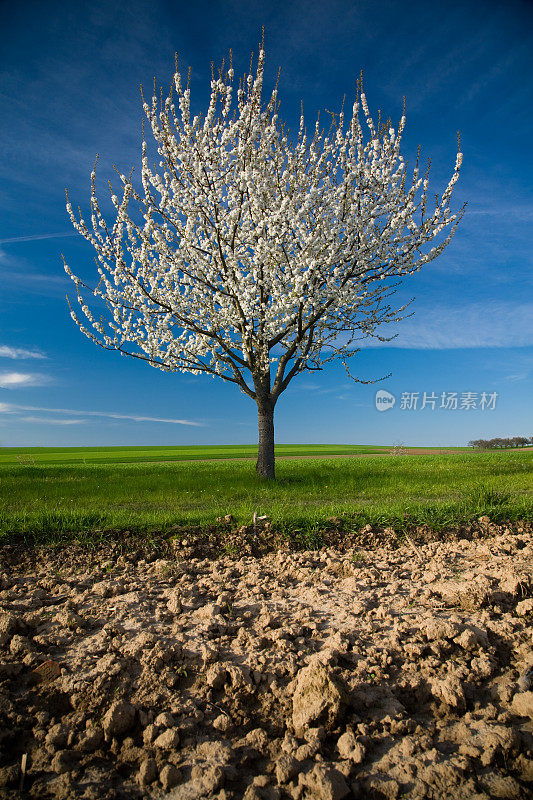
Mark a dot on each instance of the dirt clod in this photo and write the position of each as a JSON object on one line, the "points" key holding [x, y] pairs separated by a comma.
{"points": [[399, 671], [118, 719], [317, 696], [522, 704], [325, 783]]}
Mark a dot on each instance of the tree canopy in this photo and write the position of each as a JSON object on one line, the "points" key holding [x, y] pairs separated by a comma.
{"points": [[254, 255]]}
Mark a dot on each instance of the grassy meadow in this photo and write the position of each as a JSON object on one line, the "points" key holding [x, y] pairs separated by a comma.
{"points": [[131, 455], [57, 493]]}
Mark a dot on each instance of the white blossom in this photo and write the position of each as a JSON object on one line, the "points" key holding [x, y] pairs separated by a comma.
{"points": [[258, 249]]}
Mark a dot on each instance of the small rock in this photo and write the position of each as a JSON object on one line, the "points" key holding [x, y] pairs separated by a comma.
{"points": [[168, 740], [239, 675], [522, 704], [325, 783], [169, 776], [147, 772], [229, 519], [119, 718]]}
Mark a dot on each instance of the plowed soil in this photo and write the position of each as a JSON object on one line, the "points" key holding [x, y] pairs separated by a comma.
{"points": [[375, 668]]}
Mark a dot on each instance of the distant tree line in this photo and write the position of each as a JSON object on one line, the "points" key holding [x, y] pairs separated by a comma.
{"points": [[500, 444]]}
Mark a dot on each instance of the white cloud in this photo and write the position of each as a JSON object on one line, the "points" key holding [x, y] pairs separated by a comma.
{"points": [[18, 352], [12, 380], [11, 408]]}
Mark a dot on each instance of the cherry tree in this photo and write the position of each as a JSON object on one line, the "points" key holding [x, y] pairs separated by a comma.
{"points": [[254, 255]]}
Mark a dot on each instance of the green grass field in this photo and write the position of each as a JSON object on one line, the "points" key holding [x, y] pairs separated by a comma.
{"points": [[131, 455], [47, 501]]}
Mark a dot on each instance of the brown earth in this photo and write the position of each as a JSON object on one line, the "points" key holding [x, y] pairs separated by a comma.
{"points": [[401, 670]]}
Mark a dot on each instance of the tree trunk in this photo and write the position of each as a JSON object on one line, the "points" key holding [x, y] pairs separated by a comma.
{"points": [[265, 455]]}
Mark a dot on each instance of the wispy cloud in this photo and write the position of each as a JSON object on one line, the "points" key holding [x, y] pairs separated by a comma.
{"points": [[36, 237], [32, 283], [13, 380], [18, 352], [31, 278], [52, 421], [514, 367], [316, 388], [517, 211], [11, 408], [491, 324]]}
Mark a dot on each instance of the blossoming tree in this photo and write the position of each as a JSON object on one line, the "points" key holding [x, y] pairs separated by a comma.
{"points": [[254, 256]]}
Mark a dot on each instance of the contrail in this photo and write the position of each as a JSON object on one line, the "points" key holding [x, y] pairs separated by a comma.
{"points": [[36, 237], [7, 407]]}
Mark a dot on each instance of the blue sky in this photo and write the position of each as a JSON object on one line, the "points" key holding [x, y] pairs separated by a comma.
{"points": [[70, 76]]}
